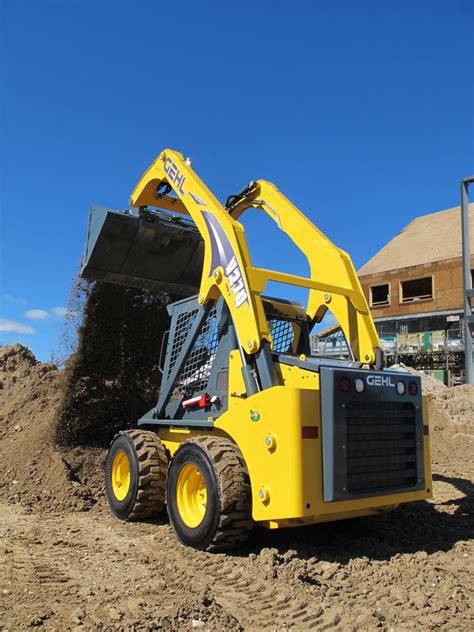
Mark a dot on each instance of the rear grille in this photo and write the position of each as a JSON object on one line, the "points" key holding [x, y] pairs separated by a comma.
{"points": [[381, 446]]}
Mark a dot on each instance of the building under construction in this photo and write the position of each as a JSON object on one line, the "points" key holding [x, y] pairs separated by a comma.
{"points": [[414, 287]]}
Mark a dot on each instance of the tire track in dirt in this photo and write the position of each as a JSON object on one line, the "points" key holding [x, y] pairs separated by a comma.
{"points": [[253, 601], [26, 562], [256, 602], [237, 584], [57, 562], [135, 576]]}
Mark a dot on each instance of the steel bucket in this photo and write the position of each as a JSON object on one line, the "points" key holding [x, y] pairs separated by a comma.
{"points": [[147, 250]]}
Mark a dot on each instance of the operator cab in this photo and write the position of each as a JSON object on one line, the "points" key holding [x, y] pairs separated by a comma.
{"points": [[290, 331]]}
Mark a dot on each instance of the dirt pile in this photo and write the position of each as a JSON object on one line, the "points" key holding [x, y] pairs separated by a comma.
{"points": [[25, 383], [429, 384], [455, 404], [448, 407], [35, 472]]}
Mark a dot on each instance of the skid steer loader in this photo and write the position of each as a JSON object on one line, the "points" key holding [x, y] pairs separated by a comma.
{"points": [[249, 427]]}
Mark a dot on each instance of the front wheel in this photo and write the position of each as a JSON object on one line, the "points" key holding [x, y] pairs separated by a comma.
{"points": [[135, 475], [208, 494]]}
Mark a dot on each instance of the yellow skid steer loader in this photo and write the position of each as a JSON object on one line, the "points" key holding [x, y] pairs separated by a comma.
{"points": [[249, 427]]}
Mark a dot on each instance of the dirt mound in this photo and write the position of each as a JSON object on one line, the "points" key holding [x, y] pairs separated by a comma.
{"points": [[429, 383], [447, 405], [113, 378], [35, 472], [21, 377], [455, 404]]}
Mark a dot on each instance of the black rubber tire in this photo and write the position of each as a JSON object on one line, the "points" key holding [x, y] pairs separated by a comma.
{"points": [[228, 518], [148, 468]]}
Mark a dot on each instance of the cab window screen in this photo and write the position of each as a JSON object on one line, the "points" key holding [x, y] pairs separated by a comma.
{"points": [[285, 335]]}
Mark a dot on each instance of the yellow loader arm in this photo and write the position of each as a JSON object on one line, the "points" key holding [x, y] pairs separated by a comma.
{"points": [[228, 268]]}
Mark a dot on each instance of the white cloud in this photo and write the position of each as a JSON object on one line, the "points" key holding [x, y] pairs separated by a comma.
{"points": [[43, 314], [11, 326], [37, 314], [13, 299], [59, 311]]}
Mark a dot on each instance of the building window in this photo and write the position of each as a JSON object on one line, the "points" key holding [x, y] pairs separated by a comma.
{"points": [[416, 290], [379, 295]]}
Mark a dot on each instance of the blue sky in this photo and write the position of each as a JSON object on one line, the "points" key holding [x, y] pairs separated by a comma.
{"points": [[360, 112]]}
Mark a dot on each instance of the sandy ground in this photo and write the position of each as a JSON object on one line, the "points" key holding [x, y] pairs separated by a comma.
{"points": [[67, 563]]}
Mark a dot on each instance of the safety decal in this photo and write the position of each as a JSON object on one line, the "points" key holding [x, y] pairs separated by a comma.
{"points": [[223, 255]]}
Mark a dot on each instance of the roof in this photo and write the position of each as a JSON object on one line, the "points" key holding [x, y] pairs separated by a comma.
{"points": [[327, 330], [427, 239]]}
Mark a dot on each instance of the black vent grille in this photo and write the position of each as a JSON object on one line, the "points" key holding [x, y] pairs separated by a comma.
{"points": [[381, 446]]}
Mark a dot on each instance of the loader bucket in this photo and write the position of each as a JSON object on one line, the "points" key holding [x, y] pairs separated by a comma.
{"points": [[148, 250]]}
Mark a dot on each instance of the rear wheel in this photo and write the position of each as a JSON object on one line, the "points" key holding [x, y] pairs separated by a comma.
{"points": [[208, 494], [135, 475]]}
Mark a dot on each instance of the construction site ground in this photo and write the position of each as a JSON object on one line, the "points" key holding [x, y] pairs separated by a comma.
{"points": [[68, 564]]}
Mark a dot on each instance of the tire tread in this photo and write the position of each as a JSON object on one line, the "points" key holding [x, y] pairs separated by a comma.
{"points": [[152, 471], [235, 497]]}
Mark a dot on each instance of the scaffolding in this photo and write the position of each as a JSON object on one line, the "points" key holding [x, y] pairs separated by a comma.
{"points": [[438, 350], [468, 291]]}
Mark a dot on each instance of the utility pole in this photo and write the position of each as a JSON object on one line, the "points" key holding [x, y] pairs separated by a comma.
{"points": [[468, 291]]}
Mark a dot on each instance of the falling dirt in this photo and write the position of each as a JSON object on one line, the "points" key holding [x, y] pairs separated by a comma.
{"points": [[68, 564], [113, 377]]}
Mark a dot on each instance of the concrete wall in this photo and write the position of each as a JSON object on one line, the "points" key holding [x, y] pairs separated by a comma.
{"points": [[447, 288]]}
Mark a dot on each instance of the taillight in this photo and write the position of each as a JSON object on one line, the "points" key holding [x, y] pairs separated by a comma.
{"points": [[345, 384], [359, 385], [413, 388], [401, 388]]}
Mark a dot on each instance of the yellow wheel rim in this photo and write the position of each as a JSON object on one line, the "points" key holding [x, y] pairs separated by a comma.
{"points": [[191, 495], [120, 475]]}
